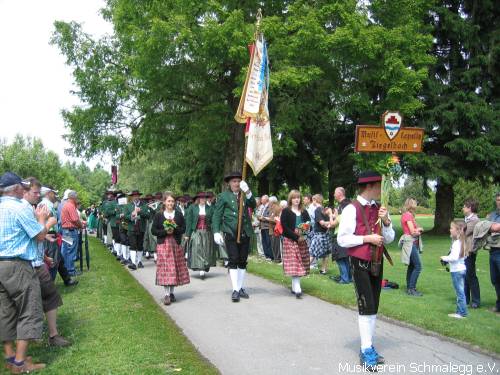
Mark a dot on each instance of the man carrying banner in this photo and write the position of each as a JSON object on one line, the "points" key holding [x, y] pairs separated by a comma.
{"points": [[225, 227], [361, 221]]}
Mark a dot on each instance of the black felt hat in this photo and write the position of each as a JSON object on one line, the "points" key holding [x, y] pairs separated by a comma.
{"points": [[134, 192], [232, 175]]}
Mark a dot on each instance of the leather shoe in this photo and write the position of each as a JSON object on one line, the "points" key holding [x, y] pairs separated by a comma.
{"points": [[298, 295], [132, 266], [172, 298], [58, 341], [235, 297], [71, 282], [474, 306], [244, 294], [140, 265]]}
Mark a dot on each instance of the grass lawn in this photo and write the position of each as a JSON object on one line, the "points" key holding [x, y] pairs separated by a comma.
{"points": [[116, 328], [481, 327]]}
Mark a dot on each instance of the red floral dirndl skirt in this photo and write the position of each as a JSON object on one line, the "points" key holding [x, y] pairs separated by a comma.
{"points": [[296, 260], [171, 266]]}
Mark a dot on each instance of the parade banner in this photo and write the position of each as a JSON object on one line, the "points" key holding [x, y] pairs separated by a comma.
{"points": [[253, 101], [259, 147]]}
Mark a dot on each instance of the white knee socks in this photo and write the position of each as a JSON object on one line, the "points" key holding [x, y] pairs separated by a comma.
{"points": [[233, 274], [169, 289], [125, 252], [155, 256], [104, 238], [296, 284], [139, 256], [366, 330], [133, 256], [118, 249], [241, 278]]}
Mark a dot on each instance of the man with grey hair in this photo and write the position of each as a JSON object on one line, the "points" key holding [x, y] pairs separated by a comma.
{"points": [[70, 223], [263, 216], [21, 317]]}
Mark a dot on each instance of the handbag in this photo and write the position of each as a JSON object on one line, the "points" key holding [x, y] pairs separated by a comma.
{"points": [[278, 229]]}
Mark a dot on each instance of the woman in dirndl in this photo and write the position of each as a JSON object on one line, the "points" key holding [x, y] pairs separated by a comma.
{"points": [[321, 243], [171, 269], [201, 250], [294, 220]]}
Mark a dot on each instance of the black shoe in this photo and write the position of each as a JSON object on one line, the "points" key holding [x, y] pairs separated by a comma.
{"points": [[172, 297], [291, 291], [335, 278], [235, 297], [140, 265], [119, 258], [148, 257], [71, 282], [244, 294], [474, 306], [298, 295], [132, 266], [414, 293]]}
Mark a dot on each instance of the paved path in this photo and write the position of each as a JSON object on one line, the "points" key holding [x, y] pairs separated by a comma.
{"points": [[273, 333]]}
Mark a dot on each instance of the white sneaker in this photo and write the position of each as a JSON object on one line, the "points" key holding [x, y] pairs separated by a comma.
{"points": [[456, 316], [202, 274]]}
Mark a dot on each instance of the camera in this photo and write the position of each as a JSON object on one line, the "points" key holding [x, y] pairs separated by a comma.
{"points": [[445, 264]]}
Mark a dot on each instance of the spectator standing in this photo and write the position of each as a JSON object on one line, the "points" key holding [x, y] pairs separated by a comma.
{"points": [[495, 256], [339, 253], [21, 317], [263, 217], [321, 242], [273, 219], [51, 300], [70, 224], [471, 287], [256, 227], [411, 243], [457, 266]]}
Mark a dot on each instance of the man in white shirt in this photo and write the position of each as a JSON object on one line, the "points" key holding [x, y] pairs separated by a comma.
{"points": [[361, 221]]}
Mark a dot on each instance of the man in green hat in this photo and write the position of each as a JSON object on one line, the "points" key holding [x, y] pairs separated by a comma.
{"points": [[225, 227]]}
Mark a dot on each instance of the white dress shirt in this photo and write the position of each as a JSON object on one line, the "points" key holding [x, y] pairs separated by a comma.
{"points": [[347, 227]]}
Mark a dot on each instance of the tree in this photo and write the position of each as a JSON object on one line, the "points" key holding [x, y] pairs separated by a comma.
{"points": [[461, 116], [170, 77]]}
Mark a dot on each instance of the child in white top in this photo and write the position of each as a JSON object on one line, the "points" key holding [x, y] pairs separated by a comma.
{"points": [[457, 266]]}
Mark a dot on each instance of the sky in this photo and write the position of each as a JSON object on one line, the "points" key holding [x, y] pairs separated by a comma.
{"points": [[35, 82]]}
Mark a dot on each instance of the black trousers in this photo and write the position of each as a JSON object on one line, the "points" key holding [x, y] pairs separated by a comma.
{"points": [[123, 237], [266, 243], [237, 252], [471, 285], [116, 234], [135, 240], [367, 286]]}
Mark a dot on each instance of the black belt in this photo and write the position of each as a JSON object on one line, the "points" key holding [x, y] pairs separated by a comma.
{"points": [[70, 229]]}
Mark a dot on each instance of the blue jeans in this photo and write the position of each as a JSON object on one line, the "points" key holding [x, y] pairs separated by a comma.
{"points": [[414, 268], [68, 252], [495, 272], [458, 279], [266, 243], [345, 270]]}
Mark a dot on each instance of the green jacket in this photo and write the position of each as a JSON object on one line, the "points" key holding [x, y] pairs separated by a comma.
{"points": [[142, 217], [192, 215], [225, 215], [109, 211]]}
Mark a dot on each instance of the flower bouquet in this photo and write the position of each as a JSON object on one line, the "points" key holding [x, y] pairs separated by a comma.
{"points": [[169, 225], [304, 228]]}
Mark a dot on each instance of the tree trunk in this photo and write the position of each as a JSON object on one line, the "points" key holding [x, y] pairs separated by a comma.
{"points": [[263, 184], [444, 208]]}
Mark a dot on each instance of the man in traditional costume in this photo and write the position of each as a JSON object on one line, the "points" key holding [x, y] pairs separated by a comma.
{"points": [[225, 228], [136, 214], [110, 228], [361, 222]]}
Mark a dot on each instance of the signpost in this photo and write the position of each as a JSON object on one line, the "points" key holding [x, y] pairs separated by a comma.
{"points": [[390, 137]]}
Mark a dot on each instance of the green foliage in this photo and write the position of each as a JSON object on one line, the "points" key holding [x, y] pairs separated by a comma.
{"points": [[170, 76], [28, 157], [483, 192]]}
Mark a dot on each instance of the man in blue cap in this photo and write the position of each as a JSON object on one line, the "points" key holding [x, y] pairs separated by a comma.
{"points": [[21, 317]]}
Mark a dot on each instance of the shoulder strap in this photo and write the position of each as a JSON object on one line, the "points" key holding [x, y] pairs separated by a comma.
{"points": [[363, 215]]}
